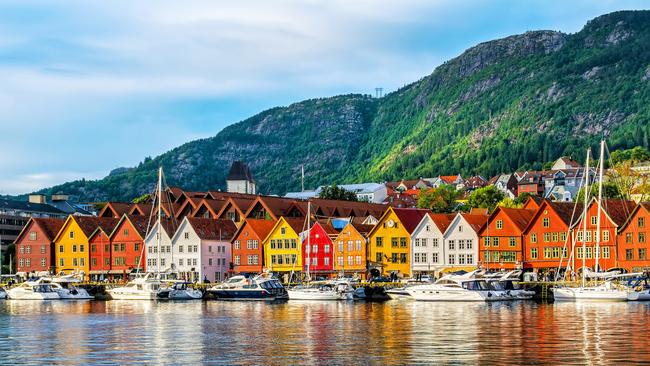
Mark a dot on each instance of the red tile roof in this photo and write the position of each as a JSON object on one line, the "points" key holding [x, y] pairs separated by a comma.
{"points": [[476, 222], [442, 221], [261, 227], [50, 227], [117, 209], [410, 217], [213, 229], [519, 216], [618, 210], [449, 179]]}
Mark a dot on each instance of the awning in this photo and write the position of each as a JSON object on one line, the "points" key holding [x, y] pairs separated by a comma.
{"points": [[456, 269]]}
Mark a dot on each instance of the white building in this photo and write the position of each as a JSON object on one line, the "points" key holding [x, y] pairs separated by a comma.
{"points": [[240, 179], [155, 251], [369, 192], [461, 240], [427, 243]]}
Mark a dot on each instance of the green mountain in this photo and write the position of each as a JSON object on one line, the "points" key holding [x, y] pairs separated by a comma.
{"points": [[508, 104]]}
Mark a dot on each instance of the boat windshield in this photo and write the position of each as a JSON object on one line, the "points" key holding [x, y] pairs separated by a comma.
{"points": [[476, 285], [495, 285]]}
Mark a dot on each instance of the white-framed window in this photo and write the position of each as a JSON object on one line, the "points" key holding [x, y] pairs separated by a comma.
{"points": [[314, 248], [186, 235], [180, 262], [470, 259], [350, 260], [327, 248], [416, 257], [339, 260], [238, 244], [32, 235], [434, 257], [358, 260], [434, 242], [358, 245], [452, 259], [314, 261], [461, 259], [43, 263], [238, 260], [452, 245], [326, 261]]}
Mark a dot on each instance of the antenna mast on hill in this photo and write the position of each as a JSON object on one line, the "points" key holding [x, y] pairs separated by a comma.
{"points": [[379, 92]]}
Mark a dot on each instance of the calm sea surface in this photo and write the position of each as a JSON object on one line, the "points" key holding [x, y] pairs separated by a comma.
{"points": [[395, 332]]}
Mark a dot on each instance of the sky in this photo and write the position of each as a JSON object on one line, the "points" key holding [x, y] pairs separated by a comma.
{"points": [[89, 86]]}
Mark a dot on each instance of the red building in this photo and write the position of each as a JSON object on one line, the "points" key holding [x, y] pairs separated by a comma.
{"points": [[127, 245], [547, 238], [614, 214], [633, 248], [35, 246], [100, 253], [502, 238], [247, 243], [320, 250], [532, 182]]}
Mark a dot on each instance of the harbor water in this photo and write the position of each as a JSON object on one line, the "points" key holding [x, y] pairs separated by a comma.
{"points": [[346, 333]]}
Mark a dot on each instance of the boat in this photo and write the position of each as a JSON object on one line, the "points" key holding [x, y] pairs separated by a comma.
{"points": [[184, 291], [262, 287], [642, 295], [3, 293], [399, 293], [455, 288], [65, 288], [33, 291], [606, 291], [141, 288], [509, 282], [324, 291]]}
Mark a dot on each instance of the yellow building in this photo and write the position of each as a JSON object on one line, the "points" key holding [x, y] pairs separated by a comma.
{"points": [[71, 249], [350, 248], [389, 246], [282, 246]]}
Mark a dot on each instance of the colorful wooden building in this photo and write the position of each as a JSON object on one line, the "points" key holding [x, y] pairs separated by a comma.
{"points": [[350, 248], [614, 213], [100, 255], [35, 246], [501, 238], [282, 249], [247, 248], [127, 246], [462, 241], [548, 237], [633, 244], [317, 252], [390, 240], [428, 244]]}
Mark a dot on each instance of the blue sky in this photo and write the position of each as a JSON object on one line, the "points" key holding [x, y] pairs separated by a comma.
{"points": [[88, 86]]}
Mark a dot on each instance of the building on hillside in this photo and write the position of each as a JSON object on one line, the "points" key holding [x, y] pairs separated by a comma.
{"points": [[127, 246], [427, 243], [455, 181], [72, 244], [506, 183], [317, 251], [614, 214], [201, 249], [350, 248], [565, 162], [563, 185], [35, 247], [533, 183], [501, 239], [548, 238], [403, 185], [365, 192], [247, 248], [240, 179], [633, 243], [473, 183], [282, 249], [461, 241], [390, 240], [399, 200]]}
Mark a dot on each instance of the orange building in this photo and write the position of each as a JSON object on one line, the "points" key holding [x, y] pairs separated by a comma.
{"points": [[633, 247], [614, 214], [127, 245], [247, 248], [502, 238], [547, 238], [350, 248]]}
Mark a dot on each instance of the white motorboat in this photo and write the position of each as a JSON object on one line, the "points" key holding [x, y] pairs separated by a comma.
{"points": [[604, 292], [455, 288], [3, 293], [326, 291], [184, 291], [399, 293], [33, 291], [642, 295], [509, 282], [66, 290], [262, 287], [141, 288]]}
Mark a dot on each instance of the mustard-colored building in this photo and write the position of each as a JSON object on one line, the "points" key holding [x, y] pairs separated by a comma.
{"points": [[282, 246]]}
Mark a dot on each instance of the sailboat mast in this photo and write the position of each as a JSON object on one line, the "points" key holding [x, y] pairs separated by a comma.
{"points": [[308, 238], [159, 216], [600, 200], [584, 219]]}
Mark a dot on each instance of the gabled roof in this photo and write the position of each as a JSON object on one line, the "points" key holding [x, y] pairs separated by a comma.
{"points": [[297, 225], [49, 226], [564, 210], [476, 222], [641, 205], [520, 217], [274, 206], [441, 220], [116, 209], [139, 223], [239, 171], [211, 205], [189, 205], [410, 217], [617, 210], [449, 179], [212, 229], [262, 228], [141, 209], [363, 229]]}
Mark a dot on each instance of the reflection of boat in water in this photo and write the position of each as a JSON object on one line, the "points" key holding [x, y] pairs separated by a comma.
{"points": [[326, 291], [183, 291], [33, 291], [141, 288], [241, 288]]}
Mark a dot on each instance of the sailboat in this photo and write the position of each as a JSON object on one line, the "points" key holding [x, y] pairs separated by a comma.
{"points": [[324, 291], [147, 287], [606, 291]]}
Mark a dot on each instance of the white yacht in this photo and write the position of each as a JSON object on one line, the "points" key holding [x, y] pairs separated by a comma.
{"points": [[325, 291], [509, 282], [603, 292], [455, 288], [262, 287], [184, 291], [65, 289], [398, 293], [643, 295], [33, 291], [141, 288]]}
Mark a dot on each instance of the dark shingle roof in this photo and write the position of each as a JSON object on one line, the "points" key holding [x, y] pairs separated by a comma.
{"points": [[213, 229], [239, 171], [29, 207]]}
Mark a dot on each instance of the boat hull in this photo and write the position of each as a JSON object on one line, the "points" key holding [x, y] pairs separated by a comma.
{"points": [[399, 294], [117, 294], [185, 295], [245, 295], [18, 294], [453, 295], [319, 295], [588, 294], [639, 296]]}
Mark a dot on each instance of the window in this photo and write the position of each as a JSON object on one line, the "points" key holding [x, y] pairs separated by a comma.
{"points": [[293, 243], [249, 260], [434, 242], [357, 260], [393, 242], [339, 259], [21, 262], [107, 261], [423, 242], [416, 242], [594, 220], [93, 248], [180, 262], [486, 256], [512, 242], [42, 249], [460, 228], [74, 248], [71, 235], [579, 254], [434, 257], [547, 252], [61, 262], [547, 237], [533, 237], [283, 230], [470, 259], [32, 235], [416, 258], [43, 262], [470, 244], [629, 254], [81, 248], [427, 228], [605, 235], [461, 244], [495, 241], [556, 252], [579, 236], [256, 259], [357, 244], [452, 244], [588, 252], [28, 262], [563, 236], [326, 249], [588, 237], [554, 237], [452, 259], [628, 238], [122, 247], [499, 224], [546, 222], [402, 258], [116, 247], [379, 242], [641, 237], [326, 261], [461, 259], [423, 257], [641, 254], [350, 245], [256, 244], [640, 222], [533, 253], [402, 243], [237, 244], [486, 241], [75, 262], [186, 235], [126, 232]]}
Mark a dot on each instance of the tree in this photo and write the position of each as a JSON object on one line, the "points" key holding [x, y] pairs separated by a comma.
{"points": [[610, 191], [142, 199], [441, 199], [486, 197], [522, 198], [509, 203], [334, 192], [634, 155]]}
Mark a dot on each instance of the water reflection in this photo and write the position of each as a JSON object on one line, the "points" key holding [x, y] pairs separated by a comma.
{"points": [[322, 332]]}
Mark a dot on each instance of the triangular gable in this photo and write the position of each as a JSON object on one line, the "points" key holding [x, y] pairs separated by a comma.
{"points": [[381, 221], [49, 226], [64, 227], [230, 203], [277, 225], [640, 206]]}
